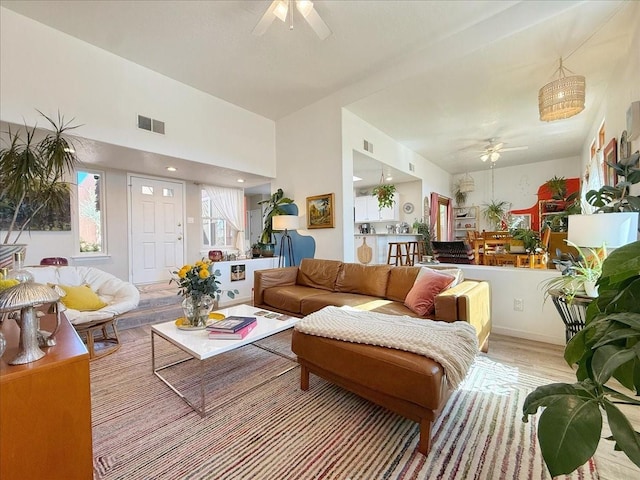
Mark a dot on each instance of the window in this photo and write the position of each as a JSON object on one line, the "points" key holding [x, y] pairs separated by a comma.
{"points": [[90, 198], [216, 231]]}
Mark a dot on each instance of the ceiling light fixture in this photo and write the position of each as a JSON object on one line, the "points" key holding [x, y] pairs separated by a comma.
{"points": [[493, 156], [172, 169], [356, 179], [284, 8], [240, 180], [562, 98]]}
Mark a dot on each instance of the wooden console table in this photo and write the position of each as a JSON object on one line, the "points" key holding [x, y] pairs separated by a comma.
{"points": [[45, 409]]}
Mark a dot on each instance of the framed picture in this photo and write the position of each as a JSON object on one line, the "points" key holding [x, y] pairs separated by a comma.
{"points": [[610, 176], [238, 272], [320, 211]]}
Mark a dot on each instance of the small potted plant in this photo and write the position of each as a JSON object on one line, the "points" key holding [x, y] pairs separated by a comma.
{"points": [[384, 192], [459, 196], [255, 250]]}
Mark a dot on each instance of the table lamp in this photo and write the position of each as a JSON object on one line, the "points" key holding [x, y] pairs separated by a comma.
{"points": [[611, 229], [286, 223]]}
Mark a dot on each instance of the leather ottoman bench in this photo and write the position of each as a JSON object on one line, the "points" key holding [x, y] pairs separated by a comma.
{"points": [[406, 383]]}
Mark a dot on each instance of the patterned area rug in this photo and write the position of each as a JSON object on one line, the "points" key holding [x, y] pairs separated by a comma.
{"points": [[143, 430]]}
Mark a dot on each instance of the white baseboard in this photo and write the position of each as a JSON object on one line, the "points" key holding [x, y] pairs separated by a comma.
{"points": [[511, 332]]}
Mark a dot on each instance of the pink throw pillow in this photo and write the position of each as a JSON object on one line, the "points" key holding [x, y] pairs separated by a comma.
{"points": [[421, 297]]}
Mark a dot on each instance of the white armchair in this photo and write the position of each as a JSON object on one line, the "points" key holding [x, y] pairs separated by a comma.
{"points": [[119, 295]]}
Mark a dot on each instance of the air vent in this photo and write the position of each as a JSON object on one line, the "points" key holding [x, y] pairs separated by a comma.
{"points": [[412, 167], [150, 124], [368, 146]]}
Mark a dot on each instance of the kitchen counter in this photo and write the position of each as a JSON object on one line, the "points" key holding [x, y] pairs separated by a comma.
{"points": [[373, 248]]}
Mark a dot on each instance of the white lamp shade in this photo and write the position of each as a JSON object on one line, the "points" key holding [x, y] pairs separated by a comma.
{"points": [[611, 229], [285, 222]]}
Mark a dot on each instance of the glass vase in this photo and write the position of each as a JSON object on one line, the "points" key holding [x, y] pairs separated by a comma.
{"points": [[196, 310]]}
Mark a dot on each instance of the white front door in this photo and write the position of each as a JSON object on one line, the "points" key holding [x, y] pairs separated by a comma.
{"points": [[157, 229]]}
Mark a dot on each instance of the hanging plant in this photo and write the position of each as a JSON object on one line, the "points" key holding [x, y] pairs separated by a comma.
{"points": [[384, 192]]}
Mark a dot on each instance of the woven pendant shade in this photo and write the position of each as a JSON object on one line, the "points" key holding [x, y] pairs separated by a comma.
{"points": [[562, 98], [466, 184]]}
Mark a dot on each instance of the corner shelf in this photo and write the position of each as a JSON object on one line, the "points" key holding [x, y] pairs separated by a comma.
{"points": [[465, 219]]}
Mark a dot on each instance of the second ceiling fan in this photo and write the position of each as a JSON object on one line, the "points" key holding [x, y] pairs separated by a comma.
{"points": [[493, 150]]}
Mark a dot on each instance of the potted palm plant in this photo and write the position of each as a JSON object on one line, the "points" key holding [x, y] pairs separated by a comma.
{"points": [[33, 168]]}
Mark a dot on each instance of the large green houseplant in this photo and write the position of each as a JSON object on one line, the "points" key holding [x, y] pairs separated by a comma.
{"points": [[495, 212], [618, 198], [273, 206], [570, 425], [385, 194], [33, 168]]}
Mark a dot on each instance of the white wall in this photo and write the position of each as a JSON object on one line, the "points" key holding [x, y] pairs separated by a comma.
{"points": [[623, 89], [309, 163], [538, 321], [517, 185], [52, 72]]}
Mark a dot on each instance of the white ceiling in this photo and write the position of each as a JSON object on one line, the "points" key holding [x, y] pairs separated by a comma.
{"points": [[440, 77]]}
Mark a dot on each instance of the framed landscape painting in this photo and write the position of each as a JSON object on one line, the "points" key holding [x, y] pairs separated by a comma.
{"points": [[320, 211]]}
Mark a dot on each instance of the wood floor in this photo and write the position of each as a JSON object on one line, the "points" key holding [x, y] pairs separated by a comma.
{"points": [[538, 359]]}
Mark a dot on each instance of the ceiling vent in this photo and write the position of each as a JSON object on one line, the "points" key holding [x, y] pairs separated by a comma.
{"points": [[412, 167], [150, 124], [368, 146]]}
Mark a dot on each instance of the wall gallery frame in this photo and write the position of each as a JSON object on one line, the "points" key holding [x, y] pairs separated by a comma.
{"points": [[320, 211], [610, 176]]}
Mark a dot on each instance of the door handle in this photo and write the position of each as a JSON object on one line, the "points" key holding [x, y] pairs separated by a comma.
{"points": [[179, 237]]}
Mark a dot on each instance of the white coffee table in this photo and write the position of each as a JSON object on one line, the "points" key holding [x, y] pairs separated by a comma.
{"points": [[199, 347]]}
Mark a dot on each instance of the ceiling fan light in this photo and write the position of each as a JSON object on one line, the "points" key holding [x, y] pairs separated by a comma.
{"points": [[304, 7], [484, 157], [495, 156], [281, 10]]}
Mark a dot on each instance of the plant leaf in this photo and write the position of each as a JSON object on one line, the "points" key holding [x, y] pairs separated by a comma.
{"points": [[546, 395], [569, 433], [607, 359], [616, 335], [623, 433]]}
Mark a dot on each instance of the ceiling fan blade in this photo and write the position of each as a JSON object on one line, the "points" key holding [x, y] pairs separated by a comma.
{"points": [[515, 149], [318, 25], [266, 20], [498, 146]]}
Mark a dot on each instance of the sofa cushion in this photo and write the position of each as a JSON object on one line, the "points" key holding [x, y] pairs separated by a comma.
{"points": [[401, 279], [289, 297], [421, 297], [337, 299], [81, 298], [316, 273], [363, 279]]}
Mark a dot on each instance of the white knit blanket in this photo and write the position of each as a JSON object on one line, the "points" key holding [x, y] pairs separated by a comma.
{"points": [[452, 345]]}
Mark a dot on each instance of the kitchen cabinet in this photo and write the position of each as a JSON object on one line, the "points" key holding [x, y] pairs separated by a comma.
{"points": [[367, 210]]}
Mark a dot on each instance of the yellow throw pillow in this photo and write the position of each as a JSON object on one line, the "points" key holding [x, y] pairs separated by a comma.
{"points": [[81, 298]]}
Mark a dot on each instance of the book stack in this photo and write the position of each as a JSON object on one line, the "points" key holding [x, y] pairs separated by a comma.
{"points": [[232, 328]]}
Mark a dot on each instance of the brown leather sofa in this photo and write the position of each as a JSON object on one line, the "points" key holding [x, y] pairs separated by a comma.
{"points": [[299, 291], [409, 384]]}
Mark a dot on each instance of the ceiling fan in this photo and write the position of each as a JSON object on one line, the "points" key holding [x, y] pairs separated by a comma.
{"points": [[493, 150], [283, 8]]}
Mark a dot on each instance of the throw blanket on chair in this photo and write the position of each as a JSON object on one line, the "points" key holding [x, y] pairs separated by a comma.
{"points": [[452, 345]]}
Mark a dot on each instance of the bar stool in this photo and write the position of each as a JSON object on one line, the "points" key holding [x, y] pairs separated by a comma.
{"points": [[416, 249], [398, 253]]}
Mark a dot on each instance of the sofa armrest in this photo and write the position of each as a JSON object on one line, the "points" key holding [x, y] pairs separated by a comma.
{"points": [[470, 301], [272, 277]]}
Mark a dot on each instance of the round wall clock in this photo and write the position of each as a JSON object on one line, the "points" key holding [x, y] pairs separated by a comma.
{"points": [[625, 146], [407, 207]]}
